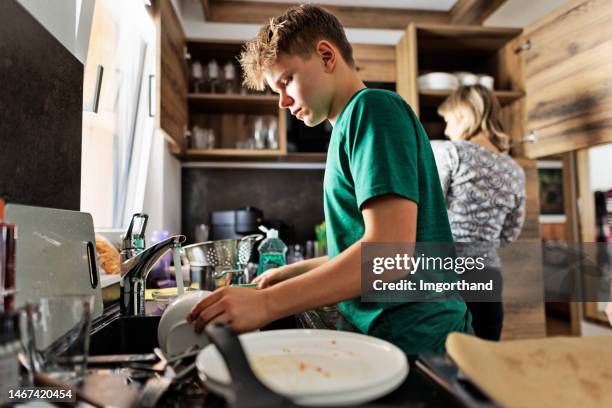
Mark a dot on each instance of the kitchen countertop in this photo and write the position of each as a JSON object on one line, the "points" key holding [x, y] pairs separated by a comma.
{"points": [[417, 390]]}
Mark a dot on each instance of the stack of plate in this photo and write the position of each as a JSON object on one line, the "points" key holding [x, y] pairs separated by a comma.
{"points": [[315, 367]]}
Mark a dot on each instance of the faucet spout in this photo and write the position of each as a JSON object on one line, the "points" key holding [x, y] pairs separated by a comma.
{"points": [[134, 273]]}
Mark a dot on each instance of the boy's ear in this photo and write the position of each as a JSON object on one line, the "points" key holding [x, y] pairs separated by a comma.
{"points": [[326, 51]]}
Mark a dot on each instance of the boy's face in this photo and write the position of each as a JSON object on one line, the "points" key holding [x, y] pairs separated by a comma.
{"points": [[303, 85]]}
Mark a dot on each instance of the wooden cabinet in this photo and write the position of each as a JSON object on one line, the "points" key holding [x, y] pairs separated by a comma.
{"points": [[375, 63], [231, 116], [428, 48], [553, 79], [171, 76], [568, 78]]}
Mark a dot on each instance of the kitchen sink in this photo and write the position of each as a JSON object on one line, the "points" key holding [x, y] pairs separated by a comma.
{"points": [[125, 335], [138, 334]]}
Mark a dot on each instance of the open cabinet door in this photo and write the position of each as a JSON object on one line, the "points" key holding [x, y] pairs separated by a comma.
{"points": [[568, 79], [172, 77]]}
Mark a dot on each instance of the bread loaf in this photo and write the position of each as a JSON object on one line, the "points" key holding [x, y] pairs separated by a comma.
{"points": [[108, 256]]}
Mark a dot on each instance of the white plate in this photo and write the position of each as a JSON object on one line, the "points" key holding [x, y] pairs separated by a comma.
{"points": [[438, 81], [316, 367], [177, 312], [181, 336]]}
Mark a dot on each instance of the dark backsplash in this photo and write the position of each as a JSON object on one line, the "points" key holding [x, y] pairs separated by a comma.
{"points": [[293, 196], [41, 102]]}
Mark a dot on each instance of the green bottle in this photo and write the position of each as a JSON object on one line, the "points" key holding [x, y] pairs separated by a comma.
{"points": [[272, 251]]}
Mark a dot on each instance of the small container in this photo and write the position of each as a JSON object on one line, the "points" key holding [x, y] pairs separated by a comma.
{"points": [[231, 83], [197, 76], [272, 139], [259, 133], [213, 76], [295, 254]]}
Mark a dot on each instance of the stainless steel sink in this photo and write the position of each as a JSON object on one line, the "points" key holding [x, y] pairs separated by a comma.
{"points": [[138, 334], [125, 335]]}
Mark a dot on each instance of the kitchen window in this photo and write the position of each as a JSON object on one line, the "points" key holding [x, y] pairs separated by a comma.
{"points": [[117, 136]]}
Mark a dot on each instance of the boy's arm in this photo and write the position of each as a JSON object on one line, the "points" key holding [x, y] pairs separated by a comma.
{"points": [[388, 218], [276, 275]]}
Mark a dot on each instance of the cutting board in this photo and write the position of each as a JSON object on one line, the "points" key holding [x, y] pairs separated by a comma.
{"points": [[550, 372], [55, 254]]}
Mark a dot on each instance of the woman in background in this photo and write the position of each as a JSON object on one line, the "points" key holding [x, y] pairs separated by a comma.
{"points": [[483, 185]]}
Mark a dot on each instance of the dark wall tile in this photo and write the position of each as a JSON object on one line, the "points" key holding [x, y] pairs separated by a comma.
{"points": [[41, 99], [294, 196]]}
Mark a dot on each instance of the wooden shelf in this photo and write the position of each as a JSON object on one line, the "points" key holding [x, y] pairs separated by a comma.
{"points": [[433, 98], [255, 154], [298, 157], [198, 154], [233, 103], [444, 38]]}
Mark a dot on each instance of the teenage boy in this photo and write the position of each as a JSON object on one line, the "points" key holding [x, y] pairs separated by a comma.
{"points": [[380, 185]]}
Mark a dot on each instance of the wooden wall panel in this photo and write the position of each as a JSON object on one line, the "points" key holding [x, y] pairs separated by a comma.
{"points": [[525, 318], [232, 11], [473, 11], [407, 67], [172, 76]]}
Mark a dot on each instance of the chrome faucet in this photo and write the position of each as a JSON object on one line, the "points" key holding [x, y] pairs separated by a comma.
{"points": [[137, 262], [134, 273]]}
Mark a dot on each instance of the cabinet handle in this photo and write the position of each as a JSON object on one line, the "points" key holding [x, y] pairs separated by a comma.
{"points": [[523, 47], [151, 96], [92, 106], [531, 137]]}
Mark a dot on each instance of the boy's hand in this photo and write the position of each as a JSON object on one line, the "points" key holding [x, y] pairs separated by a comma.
{"points": [[243, 309], [271, 277]]}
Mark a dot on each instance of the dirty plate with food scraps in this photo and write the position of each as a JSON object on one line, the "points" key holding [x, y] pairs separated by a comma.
{"points": [[316, 367]]}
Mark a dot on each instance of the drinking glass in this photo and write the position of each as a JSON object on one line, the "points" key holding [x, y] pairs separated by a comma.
{"points": [[60, 329]]}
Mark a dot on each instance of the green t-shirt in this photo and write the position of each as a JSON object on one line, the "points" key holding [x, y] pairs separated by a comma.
{"points": [[378, 147]]}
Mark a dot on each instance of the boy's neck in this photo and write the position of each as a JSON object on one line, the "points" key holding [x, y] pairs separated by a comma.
{"points": [[348, 85]]}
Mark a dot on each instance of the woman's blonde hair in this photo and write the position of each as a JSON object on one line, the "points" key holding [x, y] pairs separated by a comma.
{"points": [[481, 109], [294, 33]]}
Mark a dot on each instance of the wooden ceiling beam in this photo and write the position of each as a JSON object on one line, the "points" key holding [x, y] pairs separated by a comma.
{"points": [[236, 11], [473, 12]]}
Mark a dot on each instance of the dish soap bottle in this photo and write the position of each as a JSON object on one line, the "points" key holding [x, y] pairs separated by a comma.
{"points": [[272, 251]]}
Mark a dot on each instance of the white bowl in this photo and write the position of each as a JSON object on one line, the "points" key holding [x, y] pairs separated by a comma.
{"points": [[174, 333], [487, 81], [466, 78], [438, 80]]}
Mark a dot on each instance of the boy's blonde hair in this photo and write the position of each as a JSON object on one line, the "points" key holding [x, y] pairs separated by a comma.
{"points": [[294, 33], [481, 109]]}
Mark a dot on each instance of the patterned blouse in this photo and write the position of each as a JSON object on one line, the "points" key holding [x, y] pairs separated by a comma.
{"points": [[484, 190]]}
